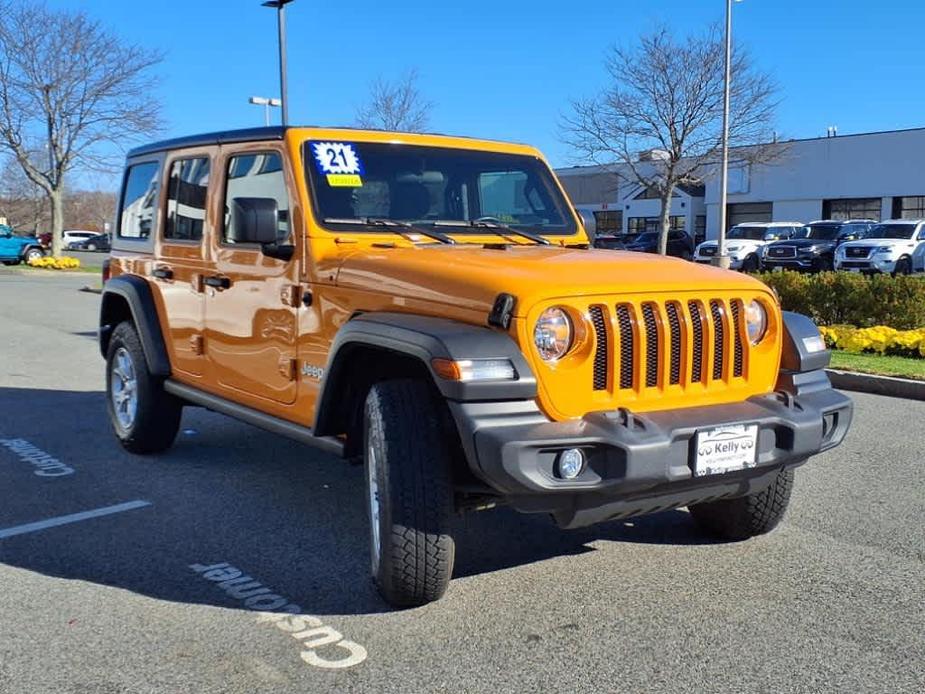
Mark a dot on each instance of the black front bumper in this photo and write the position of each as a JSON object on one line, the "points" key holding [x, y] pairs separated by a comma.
{"points": [[790, 264], [640, 463]]}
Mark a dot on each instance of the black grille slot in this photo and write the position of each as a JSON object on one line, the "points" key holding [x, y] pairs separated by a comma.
{"points": [[627, 347], [601, 350], [648, 316], [738, 347], [719, 335], [697, 323], [674, 325]]}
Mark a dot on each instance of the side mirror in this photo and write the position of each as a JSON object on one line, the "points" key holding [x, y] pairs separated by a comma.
{"points": [[254, 220]]}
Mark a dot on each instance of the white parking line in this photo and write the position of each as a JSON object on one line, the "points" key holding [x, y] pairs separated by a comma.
{"points": [[72, 518]]}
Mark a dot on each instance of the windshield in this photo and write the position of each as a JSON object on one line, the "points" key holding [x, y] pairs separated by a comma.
{"points": [[647, 237], [822, 232], [891, 231], [750, 233], [353, 182]]}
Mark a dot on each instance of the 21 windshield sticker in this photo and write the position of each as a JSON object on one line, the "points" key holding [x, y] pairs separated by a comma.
{"points": [[339, 162]]}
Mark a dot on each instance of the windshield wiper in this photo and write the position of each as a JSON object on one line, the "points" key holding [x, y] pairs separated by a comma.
{"points": [[393, 225], [498, 228]]}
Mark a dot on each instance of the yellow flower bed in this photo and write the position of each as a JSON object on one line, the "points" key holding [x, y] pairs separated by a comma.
{"points": [[49, 262], [878, 340]]}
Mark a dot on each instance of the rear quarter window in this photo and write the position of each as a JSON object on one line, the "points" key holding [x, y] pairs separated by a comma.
{"points": [[138, 207]]}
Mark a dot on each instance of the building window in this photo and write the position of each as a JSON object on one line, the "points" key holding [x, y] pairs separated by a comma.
{"points": [[909, 207], [742, 212], [609, 221], [638, 225], [700, 226], [852, 208]]}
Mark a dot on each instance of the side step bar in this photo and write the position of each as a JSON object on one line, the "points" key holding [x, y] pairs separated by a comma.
{"points": [[258, 419]]}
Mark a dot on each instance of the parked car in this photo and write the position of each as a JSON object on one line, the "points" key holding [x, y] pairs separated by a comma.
{"points": [[72, 236], [466, 360], [17, 249], [896, 246], [680, 245], [812, 248], [612, 242], [100, 242], [744, 243]]}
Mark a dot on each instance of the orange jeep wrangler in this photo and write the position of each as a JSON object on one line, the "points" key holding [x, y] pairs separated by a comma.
{"points": [[430, 305]]}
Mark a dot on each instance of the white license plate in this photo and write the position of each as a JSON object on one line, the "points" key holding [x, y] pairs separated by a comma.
{"points": [[724, 449], [777, 268]]}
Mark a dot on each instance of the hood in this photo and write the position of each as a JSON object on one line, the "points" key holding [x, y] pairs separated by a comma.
{"points": [[872, 243], [801, 243], [470, 276]]}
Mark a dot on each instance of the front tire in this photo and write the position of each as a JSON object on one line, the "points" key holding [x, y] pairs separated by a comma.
{"points": [[903, 266], [145, 418], [750, 264], [747, 516], [409, 492], [33, 254]]}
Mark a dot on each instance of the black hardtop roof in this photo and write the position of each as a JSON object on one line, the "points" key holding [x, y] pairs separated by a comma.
{"points": [[273, 132]]}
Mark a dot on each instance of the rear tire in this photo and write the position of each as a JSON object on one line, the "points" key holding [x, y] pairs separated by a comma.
{"points": [[747, 516], [409, 492], [145, 418]]}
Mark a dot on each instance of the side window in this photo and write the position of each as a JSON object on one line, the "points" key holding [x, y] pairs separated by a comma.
{"points": [[257, 175], [139, 201], [186, 199], [922, 233]]}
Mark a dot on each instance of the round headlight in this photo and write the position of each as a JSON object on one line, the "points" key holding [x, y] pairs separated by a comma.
{"points": [[553, 334], [756, 321]]}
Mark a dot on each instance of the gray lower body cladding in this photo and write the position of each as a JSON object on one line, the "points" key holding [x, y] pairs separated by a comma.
{"points": [[640, 463]]}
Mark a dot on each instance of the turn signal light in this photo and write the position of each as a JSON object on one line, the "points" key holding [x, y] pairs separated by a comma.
{"points": [[468, 370]]}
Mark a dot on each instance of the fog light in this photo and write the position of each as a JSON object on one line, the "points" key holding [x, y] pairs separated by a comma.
{"points": [[570, 463]]}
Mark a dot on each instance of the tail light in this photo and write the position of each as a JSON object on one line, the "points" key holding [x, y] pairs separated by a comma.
{"points": [[106, 271]]}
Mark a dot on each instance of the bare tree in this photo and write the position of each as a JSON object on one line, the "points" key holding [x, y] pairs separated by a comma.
{"points": [[395, 105], [666, 98], [22, 202], [68, 83]]}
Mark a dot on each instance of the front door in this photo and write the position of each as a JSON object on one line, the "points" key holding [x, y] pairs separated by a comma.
{"points": [[182, 258], [252, 298]]}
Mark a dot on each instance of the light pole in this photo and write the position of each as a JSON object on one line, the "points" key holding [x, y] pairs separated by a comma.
{"points": [[266, 103], [721, 259], [280, 6]]}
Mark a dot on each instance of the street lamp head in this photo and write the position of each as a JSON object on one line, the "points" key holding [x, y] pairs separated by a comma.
{"points": [[276, 102], [259, 100], [277, 4]]}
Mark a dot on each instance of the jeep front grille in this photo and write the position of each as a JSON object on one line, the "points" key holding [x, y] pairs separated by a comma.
{"points": [[682, 343]]}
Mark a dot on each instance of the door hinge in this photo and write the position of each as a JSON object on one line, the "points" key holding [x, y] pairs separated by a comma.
{"points": [[291, 295], [197, 344], [288, 368]]}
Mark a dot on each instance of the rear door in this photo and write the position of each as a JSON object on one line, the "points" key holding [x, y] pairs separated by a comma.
{"points": [[252, 299], [182, 256]]}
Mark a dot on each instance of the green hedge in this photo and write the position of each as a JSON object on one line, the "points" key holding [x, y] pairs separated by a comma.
{"points": [[845, 298]]}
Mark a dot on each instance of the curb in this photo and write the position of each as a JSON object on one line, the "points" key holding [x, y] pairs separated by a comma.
{"points": [[877, 385]]}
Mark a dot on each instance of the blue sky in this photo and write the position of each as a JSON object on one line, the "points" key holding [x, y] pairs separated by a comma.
{"points": [[506, 68]]}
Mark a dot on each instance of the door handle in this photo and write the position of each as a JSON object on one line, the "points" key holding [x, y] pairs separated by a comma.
{"points": [[163, 273], [217, 281]]}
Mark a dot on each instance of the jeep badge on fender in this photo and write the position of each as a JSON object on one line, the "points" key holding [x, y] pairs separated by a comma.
{"points": [[460, 338]]}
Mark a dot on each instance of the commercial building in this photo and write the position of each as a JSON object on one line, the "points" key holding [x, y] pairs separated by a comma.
{"points": [[871, 175]]}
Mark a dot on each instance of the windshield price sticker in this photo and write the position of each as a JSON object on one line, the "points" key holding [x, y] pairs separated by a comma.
{"points": [[339, 163]]}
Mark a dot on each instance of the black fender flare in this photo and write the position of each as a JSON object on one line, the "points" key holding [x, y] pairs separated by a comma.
{"points": [[136, 294], [425, 338]]}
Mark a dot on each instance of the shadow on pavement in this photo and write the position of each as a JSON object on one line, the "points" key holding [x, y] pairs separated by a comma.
{"points": [[289, 516]]}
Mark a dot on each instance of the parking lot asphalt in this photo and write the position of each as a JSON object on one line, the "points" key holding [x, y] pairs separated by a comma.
{"points": [[127, 596]]}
